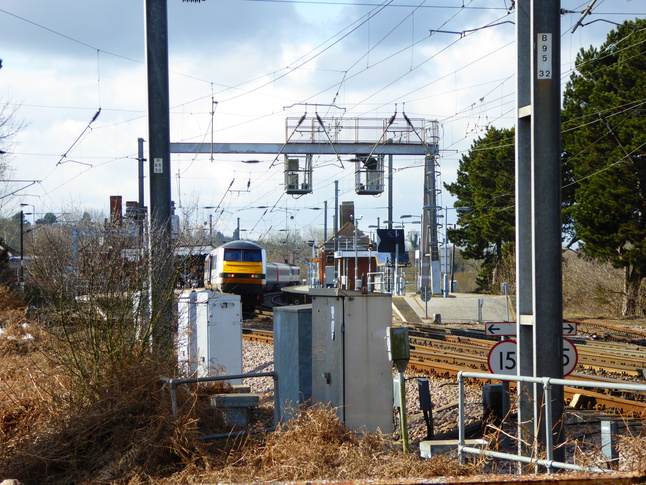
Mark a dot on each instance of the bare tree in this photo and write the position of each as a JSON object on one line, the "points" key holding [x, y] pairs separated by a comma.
{"points": [[93, 285], [10, 127]]}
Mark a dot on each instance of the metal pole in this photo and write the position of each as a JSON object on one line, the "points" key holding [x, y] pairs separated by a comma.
{"points": [[434, 245], [156, 16], [524, 281], [324, 221], [336, 215], [356, 255], [546, 202], [461, 400], [390, 191], [141, 160], [452, 266], [446, 283], [402, 412], [425, 243], [158, 113], [21, 283], [396, 267]]}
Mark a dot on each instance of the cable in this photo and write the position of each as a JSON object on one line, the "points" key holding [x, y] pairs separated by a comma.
{"points": [[64, 156]]}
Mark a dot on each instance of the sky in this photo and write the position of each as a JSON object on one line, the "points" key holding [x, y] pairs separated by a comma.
{"points": [[238, 70]]}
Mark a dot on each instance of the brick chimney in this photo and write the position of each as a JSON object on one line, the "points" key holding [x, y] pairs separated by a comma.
{"points": [[116, 217]]}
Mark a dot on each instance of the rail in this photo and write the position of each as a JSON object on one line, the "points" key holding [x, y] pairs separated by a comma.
{"points": [[173, 383], [547, 382]]}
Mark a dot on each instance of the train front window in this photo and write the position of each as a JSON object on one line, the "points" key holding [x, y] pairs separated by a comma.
{"points": [[233, 254], [253, 256], [243, 255]]}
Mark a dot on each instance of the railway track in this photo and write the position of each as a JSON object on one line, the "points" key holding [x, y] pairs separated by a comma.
{"points": [[443, 352]]}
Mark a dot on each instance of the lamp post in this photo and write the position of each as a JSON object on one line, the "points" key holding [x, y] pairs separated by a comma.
{"points": [[356, 252], [209, 207]]}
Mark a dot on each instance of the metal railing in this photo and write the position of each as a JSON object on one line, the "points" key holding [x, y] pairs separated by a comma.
{"points": [[547, 382], [173, 383]]}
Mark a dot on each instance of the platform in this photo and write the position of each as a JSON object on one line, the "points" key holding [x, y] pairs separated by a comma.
{"points": [[460, 308], [456, 308]]}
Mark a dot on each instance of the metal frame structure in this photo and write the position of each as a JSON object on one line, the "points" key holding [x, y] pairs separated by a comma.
{"points": [[549, 418]]}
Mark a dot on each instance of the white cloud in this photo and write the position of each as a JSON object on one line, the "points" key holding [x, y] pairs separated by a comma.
{"points": [[64, 59]]}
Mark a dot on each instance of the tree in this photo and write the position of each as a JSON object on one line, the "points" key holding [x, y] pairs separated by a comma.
{"points": [[485, 183], [10, 127], [48, 218], [604, 137]]}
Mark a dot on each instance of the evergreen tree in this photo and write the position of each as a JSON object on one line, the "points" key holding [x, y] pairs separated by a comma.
{"points": [[604, 137], [485, 183]]}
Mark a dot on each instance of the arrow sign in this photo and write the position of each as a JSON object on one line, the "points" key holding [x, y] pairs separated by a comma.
{"points": [[569, 328], [508, 329], [500, 329]]}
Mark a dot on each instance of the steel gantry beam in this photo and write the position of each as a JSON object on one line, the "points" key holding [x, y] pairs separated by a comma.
{"points": [[306, 148]]}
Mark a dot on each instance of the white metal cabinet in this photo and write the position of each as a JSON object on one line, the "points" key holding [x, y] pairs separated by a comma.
{"points": [[209, 334]]}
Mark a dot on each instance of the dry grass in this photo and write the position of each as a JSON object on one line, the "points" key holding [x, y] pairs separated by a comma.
{"points": [[591, 288], [132, 437], [51, 433], [125, 433], [316, 446]]}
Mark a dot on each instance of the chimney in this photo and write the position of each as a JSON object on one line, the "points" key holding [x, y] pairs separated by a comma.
{"points": [[347, 212], [115, 210]]}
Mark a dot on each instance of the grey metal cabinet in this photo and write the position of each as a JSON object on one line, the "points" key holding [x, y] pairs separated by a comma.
{"points": [[350, 367]]}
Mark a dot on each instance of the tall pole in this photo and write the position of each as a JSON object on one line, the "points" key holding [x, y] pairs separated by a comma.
{"points": [[390, 191], [21, 283], [538, 173], [336, 228], [546, 202], [446, 283], [434, 245], [524, 272], [336, 215], [156, 16], [141, 160], [429, 229], [324, 221], [356, 254], [158, 113]]}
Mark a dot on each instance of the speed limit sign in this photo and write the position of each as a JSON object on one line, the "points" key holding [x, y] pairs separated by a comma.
{"points": [[503, 358], [570, 357]]}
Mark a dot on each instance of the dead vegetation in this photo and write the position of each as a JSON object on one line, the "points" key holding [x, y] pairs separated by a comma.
{"points": [[61, 424], [49, 435]]}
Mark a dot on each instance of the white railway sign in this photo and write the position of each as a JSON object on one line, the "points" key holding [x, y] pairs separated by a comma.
{"points": [[508, 329], [503, 358]]}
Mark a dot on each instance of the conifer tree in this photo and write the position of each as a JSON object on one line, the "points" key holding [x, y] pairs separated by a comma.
{"points": [[604, 140], [485, 183]]}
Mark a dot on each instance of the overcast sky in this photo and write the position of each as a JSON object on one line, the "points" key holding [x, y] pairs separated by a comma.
{"points": [[239, 68]]}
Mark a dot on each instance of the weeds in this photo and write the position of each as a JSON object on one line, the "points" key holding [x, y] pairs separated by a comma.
{"points": [[81, 401]]}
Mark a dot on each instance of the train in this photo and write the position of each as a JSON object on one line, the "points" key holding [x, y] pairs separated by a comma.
{"points": [[280, 275], [241, 268]]}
